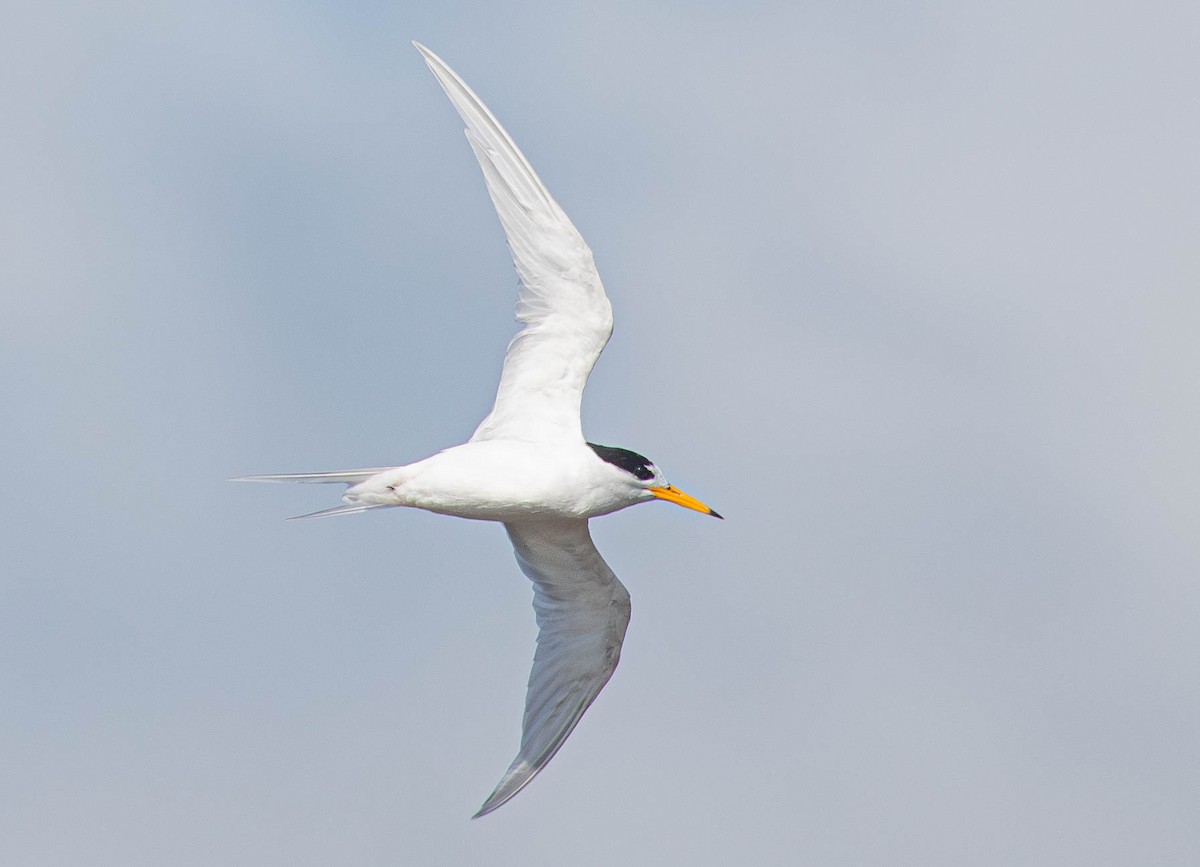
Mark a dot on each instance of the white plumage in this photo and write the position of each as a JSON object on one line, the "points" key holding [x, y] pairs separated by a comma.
{"points": [[527, 464], [561, 301]]}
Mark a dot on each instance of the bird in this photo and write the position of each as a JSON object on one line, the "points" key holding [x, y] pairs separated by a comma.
{"points": [[528, 465]]}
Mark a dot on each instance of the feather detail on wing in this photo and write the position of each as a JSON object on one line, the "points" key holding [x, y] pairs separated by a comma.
{"points": [[561, 301], [582, 612]]}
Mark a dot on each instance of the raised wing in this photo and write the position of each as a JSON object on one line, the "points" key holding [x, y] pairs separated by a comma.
{"points": [[582, 612], [561, 301]]}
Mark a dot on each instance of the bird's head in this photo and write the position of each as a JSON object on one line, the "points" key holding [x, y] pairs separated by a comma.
{"points": [[646, 480]]}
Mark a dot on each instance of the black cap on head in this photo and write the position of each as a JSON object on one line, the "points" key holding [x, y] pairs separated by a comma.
{"points": [[631, 462]]}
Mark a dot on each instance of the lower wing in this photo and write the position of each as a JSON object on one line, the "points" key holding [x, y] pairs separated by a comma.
{"points": [[582, 612]]}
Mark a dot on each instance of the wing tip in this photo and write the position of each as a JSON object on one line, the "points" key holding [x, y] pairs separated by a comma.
{"points": [[432, 60], [515, 779]]}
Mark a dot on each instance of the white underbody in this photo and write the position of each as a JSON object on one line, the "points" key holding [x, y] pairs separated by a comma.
{"points": [[504, 480]]}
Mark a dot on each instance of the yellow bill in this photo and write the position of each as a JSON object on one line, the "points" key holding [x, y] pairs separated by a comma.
{"points": [[679, 498]]}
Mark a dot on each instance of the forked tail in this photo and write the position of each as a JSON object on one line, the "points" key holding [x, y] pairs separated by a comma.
{"points": [[343, 477]]}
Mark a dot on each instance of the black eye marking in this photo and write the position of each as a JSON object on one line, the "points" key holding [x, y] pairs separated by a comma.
{"points": [[631, 462]]}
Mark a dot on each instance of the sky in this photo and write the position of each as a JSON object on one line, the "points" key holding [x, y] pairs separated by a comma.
{"points": [[908, 292]]}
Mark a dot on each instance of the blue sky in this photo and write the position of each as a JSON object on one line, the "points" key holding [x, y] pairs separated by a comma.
{"points": [[908, 294]]}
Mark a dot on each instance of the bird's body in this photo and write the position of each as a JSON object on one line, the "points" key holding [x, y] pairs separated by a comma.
{"points": [[502, 480], [527, 464]]}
